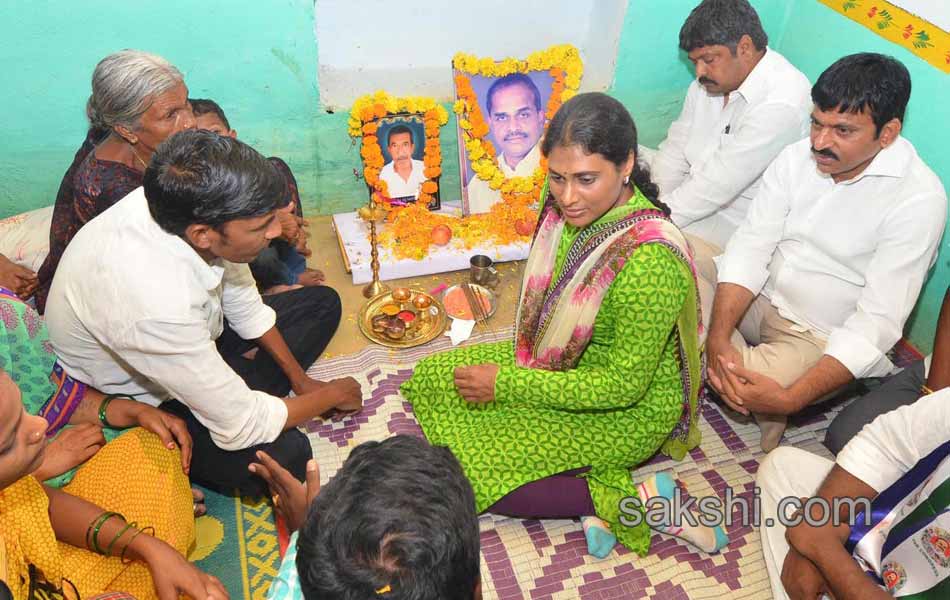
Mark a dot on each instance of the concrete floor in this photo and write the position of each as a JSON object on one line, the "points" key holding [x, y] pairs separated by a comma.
{"points": [[348, 338]]}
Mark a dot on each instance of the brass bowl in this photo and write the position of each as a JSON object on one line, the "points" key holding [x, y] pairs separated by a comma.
{"points": [[428, 324]]}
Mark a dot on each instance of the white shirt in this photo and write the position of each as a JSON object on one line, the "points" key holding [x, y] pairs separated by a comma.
{"points": [[135, 310], [709, 166], [399, 187], [889, 446], [844, 260], [480, 195]]}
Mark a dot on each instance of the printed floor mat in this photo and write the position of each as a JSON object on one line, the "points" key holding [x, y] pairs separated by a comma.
{"points": [[530, 558]]}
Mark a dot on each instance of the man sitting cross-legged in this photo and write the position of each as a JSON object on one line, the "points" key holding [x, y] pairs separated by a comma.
{"points": [[815, 286], [153, 300]]}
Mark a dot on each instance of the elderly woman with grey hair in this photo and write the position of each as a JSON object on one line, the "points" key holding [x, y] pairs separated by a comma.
{"points": [[138, 100]]}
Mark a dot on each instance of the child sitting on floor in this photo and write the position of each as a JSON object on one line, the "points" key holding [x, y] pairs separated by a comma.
{"points": [[282, 266], [397, 521]]}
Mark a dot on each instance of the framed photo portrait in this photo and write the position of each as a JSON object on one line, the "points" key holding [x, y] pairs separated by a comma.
{"points": [[504, 107], [400, 149]]}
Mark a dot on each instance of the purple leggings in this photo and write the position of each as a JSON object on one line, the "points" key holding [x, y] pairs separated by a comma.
{"points": [[560, 496]]}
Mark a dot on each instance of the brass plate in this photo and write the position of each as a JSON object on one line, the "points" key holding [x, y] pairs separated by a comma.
{"points": [[420, 331], [484, 291]]}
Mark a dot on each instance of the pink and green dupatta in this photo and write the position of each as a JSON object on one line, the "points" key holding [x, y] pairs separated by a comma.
{"points": [[555, 320]]}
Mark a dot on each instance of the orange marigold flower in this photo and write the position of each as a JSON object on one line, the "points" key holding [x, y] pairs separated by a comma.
{"points": [[430, 187], [370, 128]]}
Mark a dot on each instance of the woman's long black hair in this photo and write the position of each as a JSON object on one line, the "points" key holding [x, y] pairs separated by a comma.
{"points": [[601, 125]]}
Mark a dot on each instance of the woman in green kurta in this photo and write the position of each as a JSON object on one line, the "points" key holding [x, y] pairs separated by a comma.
{"points": [[604, 369]]}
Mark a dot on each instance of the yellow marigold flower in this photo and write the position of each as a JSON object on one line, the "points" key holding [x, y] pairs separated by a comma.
{"points": [[465, 124], [567, 94]]}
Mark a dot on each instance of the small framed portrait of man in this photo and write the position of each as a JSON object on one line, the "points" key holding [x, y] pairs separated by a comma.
{"points": [[402, 142], [514, 108]]}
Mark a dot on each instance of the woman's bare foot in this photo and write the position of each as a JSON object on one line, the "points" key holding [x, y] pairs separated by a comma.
{"points": [[311, 277]]}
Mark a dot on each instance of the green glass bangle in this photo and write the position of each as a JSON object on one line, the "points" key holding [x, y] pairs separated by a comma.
{"points": [[89, 531], [95, 530], [118, 536], [97, 522], [103, 406]]}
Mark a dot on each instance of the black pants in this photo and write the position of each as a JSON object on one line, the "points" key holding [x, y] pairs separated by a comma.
{"points": [[307, 318], [897, 391]]}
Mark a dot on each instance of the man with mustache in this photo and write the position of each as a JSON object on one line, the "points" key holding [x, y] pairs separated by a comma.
{"points": [[747, 103], [516, 121], [816, 284], [403, 175]]}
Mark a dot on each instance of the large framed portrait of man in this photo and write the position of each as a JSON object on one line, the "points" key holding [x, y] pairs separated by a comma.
{"points": [[514, 109]]}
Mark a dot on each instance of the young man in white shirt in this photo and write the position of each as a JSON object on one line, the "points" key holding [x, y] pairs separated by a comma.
{"points": [[898, 467], [746, 104], [403, 174], [154, 300], [823, 273]]}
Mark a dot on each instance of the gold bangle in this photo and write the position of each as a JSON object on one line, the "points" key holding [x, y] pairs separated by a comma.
{"points": [[129, 543], [926, 390]]}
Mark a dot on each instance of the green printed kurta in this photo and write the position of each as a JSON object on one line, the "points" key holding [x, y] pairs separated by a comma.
{"points": [[612, 412]]}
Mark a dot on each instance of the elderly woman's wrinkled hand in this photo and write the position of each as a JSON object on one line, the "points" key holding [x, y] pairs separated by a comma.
{"points": [[477, 382]]}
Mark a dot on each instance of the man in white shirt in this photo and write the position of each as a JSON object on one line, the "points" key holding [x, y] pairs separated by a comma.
{"points": [[746, 104], [146, 289], [516, 120], [823, 273], [403, 175], [898, 466]]}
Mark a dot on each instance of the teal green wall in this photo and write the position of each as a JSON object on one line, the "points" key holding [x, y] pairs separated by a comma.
{"points": [[259, 60]]}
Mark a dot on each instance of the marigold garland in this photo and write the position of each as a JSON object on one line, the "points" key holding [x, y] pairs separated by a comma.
{"points": [[362, 123], [564, 64], [408, 230]]}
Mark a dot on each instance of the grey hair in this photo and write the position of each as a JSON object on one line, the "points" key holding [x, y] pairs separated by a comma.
{"points": [[125, 84]]}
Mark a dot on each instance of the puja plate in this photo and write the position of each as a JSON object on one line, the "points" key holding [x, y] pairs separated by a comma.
{"points": [[450, 294], [427, 324]]}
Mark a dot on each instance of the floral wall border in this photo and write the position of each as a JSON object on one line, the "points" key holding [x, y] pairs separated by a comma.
{"points": [[895, 24]]}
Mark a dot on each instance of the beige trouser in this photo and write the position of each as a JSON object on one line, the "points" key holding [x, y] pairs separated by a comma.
{"points": [[768, 343], [772, 345], [703, 254]]}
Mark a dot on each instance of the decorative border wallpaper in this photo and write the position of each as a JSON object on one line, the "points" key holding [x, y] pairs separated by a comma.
{"points": [[893, 23]]}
